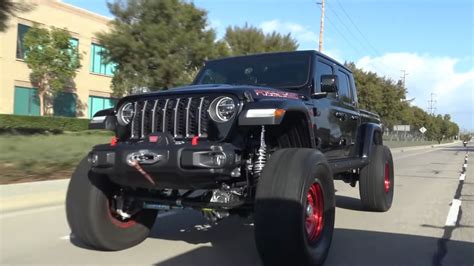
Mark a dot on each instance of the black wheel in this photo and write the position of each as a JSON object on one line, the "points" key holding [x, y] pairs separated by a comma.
{"points": [[92, 217], [377, 180], [295, 208]]}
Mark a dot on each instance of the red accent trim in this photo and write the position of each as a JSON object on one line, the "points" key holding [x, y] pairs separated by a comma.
{"points": [[387, 178], [194, 140], [113, 141], [314, 212], [153, 139]]}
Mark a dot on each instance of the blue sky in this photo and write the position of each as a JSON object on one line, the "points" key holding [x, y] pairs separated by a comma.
{"points": [[431, 39]]}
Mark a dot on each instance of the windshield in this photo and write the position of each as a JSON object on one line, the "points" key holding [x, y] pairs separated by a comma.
{"points": [[285, 70]]}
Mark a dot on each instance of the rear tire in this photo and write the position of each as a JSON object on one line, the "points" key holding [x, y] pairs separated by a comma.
{"points": [[90, 217], [377, 180], [287, 231]]}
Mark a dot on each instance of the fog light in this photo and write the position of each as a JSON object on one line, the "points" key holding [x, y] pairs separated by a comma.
{"points": [[93, 159], [218, 159]]}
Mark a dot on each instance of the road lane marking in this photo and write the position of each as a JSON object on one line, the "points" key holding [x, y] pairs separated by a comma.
{"points": [[66, 237], [453, 213]]}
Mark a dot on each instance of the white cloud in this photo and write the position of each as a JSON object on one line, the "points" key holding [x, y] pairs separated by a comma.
{"points": [[426, 74], [301, 33]]}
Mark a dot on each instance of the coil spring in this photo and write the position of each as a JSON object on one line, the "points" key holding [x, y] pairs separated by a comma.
{"points": [[261, 155]]}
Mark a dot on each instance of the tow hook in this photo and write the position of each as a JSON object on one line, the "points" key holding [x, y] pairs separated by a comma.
{"points": [[135, 159], [143, 157]]}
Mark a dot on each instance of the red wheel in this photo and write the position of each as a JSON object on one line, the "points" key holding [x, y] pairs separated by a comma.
{"points": [[314, 212], [295, 208], [119, 222], [377, 180], [94, 218]]}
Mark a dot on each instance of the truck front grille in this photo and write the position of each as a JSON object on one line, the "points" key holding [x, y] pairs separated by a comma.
{"points": [[183, 118]]}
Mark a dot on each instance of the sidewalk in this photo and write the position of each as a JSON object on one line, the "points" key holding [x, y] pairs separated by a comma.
{"points": [[17, 197]]}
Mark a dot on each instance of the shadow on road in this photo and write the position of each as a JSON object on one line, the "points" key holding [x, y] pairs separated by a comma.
{"points": [[348, 203], [231, 243]]}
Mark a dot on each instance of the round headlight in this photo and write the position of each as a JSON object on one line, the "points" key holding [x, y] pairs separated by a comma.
{"points": [[125, 114], [222, 109]]}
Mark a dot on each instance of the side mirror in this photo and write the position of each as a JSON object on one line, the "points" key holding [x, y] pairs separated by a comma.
{"points": [[329, 83]]}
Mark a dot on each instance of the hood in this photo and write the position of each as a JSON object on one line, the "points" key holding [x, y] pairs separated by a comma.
{"points": [[257, 92]]}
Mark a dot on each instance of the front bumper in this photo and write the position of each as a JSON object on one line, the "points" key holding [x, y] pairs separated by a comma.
{"points": [[174, 165]]}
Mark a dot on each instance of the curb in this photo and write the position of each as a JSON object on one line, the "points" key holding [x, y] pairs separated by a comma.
{"points": [[16, 197]]}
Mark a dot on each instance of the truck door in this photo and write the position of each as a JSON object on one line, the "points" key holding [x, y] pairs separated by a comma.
{"points": [[328, 130], [347, 111]]}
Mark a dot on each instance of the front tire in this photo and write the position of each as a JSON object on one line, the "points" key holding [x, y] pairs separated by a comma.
{"points": [[377, 180], [295, 208], [92, 219]]}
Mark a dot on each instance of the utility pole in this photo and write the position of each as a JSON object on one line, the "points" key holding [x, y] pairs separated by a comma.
{"points": [[432, 104], [403, 77], [321, 27]]}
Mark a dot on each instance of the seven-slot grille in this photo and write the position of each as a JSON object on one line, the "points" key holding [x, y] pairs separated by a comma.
{"points": [[184, 117]]}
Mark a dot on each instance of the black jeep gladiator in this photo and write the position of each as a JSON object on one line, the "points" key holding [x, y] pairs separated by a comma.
{"points": [[262, 135]]}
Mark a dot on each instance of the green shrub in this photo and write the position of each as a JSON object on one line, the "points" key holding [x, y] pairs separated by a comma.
{"points": [[41, 124]]}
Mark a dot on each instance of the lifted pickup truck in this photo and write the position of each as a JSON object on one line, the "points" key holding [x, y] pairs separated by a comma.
{"points": [[262, 135]]}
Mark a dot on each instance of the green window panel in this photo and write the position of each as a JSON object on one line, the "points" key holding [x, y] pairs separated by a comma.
{"points": [[20, 47], [65, 104], [26, 101], [98, 64], [97, 104]]}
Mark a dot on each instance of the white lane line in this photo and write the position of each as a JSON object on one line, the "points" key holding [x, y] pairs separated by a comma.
{"points": [[462, 177], [453, 213], [66, 237]]}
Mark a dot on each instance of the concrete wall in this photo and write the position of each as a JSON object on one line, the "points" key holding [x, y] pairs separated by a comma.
{"points": [[82, 25]]}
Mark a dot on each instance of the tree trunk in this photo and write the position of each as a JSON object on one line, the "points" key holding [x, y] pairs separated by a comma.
{"points": [[41, 101]]}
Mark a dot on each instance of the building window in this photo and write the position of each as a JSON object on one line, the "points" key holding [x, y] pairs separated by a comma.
{"points": [[98, 63], [65, 104], [20, 47], [97, 104], [26, 101]]}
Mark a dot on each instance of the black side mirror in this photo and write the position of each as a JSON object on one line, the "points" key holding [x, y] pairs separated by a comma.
{"points": [[329, 83]]}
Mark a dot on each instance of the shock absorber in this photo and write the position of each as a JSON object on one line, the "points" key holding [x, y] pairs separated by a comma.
{"points": [[261, 155]]}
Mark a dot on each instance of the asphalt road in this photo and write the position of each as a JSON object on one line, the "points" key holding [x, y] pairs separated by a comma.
{"points": [[413, 232]]}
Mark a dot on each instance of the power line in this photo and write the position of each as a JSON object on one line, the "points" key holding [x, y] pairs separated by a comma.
{"points": [[345, 25], [342, 35], [357, 28]]}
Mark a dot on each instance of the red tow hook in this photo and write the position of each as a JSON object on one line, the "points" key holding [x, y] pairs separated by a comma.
{"points": [[137, 166]]}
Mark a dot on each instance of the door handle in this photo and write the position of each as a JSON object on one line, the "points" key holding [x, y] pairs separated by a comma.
{"points": [[340, 115], [354, 117]]}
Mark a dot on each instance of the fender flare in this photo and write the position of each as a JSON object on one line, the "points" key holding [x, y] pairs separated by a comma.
{"points": [[367, 134], [104, 119], [289, 107]]}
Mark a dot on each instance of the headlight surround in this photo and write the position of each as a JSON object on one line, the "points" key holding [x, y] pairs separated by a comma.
{"points": [[222, 109], [125, 114]]}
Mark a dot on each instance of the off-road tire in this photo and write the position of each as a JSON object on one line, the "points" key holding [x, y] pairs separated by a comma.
{"points": [[89, 216], [281, 203], [375, 193]]}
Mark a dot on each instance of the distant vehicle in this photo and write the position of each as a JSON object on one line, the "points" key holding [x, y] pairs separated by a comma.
{"points": [[261, 135]]}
